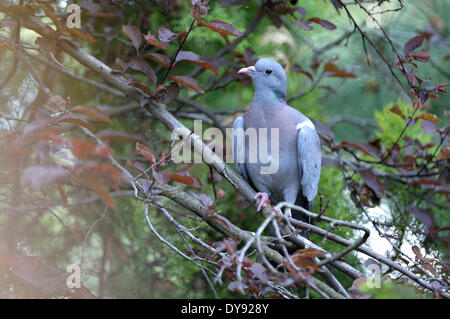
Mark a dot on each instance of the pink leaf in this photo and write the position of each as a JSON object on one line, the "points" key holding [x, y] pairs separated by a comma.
{"points": [[413, 44]]}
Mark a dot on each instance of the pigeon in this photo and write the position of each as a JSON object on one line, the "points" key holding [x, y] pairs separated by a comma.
{"points": [[299, 158]]}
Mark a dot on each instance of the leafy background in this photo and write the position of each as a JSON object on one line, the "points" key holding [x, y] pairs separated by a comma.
{"points": [[119, 255]]}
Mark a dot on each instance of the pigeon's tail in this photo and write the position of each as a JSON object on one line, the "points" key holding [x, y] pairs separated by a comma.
{"points": [[302, 201]]}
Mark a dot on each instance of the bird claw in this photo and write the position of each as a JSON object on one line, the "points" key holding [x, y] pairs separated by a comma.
{"points": [[288, 214], [263, 202]]}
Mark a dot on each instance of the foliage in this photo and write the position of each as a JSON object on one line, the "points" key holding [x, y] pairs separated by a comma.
{"points": [[391, 126]]}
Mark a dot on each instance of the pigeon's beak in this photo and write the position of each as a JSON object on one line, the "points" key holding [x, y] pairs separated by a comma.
{"points": [[248, 70]]}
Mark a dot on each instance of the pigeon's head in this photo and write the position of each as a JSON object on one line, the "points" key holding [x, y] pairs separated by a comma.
{"points": [[268, 76]]}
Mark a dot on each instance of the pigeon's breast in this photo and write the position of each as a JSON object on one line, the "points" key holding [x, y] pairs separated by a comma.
{"points": [[277, 153]]}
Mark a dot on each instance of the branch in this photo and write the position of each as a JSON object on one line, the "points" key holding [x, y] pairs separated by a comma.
{"points": [[191, 203]]}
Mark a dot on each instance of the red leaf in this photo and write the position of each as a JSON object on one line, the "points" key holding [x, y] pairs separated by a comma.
{"points": [[223, 220], [429, 117], [82, 149], [230, 244], [220, 193], [104, 171], [298, 68], [122, 64], [192, 181], [303, 25], [331, 70], [162, 59], [140, 85], [328, 88], [445, 153], [413, 44], [102, 150], [137, 167], [144, 67], [309, 252], [50, 12], [188, 82], [161, 177], [421, 56], [43, 134], [150, 38], [302, 257], [181, 35], [165, 35], [224, 28], [85, 36], [75, 119], [134, 34], [199, 11], [365, 148], [372, 181], [144, 151], [440, 85], [205, 199], [423, 181], [195, 59], [57, 103], [396, 110], [98, 187], [92, 112], [324, 23], [416, 251]]}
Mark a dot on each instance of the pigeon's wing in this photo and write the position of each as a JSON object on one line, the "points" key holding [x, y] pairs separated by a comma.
{"points": [[239, 148], [309, 158]]}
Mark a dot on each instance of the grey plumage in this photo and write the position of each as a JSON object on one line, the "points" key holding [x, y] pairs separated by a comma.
{"points": [[297, 178]]}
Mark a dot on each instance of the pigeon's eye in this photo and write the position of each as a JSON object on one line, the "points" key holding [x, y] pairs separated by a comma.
{"points": [[268, 71]]}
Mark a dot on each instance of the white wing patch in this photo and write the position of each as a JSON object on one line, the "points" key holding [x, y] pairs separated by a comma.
{"points": [[306, 123]]}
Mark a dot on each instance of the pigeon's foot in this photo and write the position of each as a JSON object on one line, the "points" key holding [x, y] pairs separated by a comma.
{"points": [[263, 201], [288, 214]]}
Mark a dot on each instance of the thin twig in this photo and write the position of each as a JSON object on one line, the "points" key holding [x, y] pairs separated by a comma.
{"points": [[174, 59]]}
